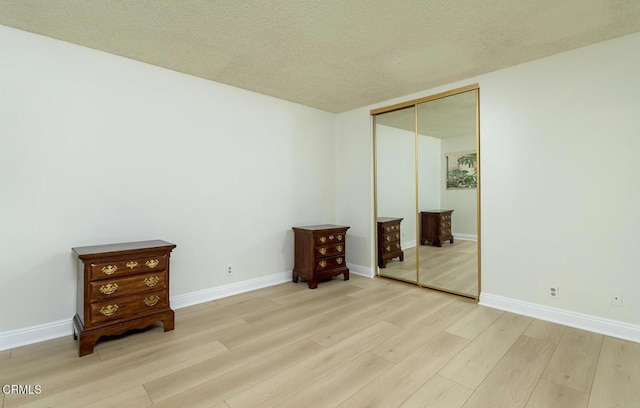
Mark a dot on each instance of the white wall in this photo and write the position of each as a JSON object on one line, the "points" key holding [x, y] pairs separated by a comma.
{"points": [[560, 200], [464, 202], [430, 176], [101, 149]]}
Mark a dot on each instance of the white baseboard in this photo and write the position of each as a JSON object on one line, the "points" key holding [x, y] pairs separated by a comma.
{"points": [[218, 292], [47, 331], [465, 237], [595, 324], [360, 270], [409, 244], [35, 334]]}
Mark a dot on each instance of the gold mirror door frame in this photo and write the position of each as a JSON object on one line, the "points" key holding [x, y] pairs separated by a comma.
{"points": [[436, 120]]}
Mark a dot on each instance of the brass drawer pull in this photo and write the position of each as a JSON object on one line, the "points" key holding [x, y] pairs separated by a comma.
{"points": [[388, 229], [109, 310], [397, 236], [323, 239], [388, 248], [151, 281], [331, 237], [340, 237], [388, 238], [109, 269], [152, 263], [109, 288], [397, 245], [132, 264], [322, 251], [339, 248], [323, 264], [339, 261], [151, 301]]}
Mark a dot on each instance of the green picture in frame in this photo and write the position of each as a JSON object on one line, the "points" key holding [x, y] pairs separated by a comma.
{"points": [[462, 170]]}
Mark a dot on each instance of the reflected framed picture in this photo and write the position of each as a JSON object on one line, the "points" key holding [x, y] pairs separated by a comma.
{"points": [[462, 170]]}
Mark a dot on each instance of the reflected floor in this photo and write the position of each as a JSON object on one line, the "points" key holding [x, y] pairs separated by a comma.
{"points": [[453, 266]]}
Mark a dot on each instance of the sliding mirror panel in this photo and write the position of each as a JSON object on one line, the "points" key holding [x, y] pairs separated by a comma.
{"points": [[395, 152], [447, 215]]}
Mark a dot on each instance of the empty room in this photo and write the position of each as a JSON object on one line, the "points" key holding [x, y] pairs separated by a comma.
{"points": [[332, 204]]}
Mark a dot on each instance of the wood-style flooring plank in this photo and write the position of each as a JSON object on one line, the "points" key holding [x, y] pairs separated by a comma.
{"points": [[617, 379], [278, 387], [547, 331], [398, 383], [574, 362], [82, 387], [475, 322], [548, 394], [231, 382], [405, 341], [438, 392], [332, 389], [475, 362], [135, 397], [513, 380]]}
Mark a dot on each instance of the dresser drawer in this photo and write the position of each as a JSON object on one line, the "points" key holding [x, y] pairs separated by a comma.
{"points": [[389, 248], [128, 307], [325, 239], [389, 238], [391, 228], [127, 267], [329, 250], [106, 289], [325, 264]]}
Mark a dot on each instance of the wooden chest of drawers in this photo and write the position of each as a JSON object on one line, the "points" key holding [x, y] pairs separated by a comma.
{"points": [[320, 253], [389, 235], [435, 227], [121, 287]]}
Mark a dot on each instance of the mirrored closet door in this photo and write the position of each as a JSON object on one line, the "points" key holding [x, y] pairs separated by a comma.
{"points": [[443, 250], [396, 191]]}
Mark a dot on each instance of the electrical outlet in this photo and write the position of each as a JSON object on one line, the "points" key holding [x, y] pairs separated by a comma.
{"points": [[616, 299], [554, 292], [229, 270]]}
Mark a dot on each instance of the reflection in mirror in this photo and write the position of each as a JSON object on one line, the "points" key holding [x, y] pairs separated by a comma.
{"points": [[396, 194], [447, 194]]}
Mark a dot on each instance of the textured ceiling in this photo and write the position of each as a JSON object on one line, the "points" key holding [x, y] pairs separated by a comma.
{"points": [[333, 55], [451, 116]]}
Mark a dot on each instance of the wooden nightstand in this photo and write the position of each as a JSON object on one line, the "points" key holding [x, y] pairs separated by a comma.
{"points": [[121, 287], [320, 253], [435, 227], [389, 237]]}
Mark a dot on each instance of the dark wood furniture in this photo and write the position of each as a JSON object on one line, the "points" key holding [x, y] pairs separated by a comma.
{"points": [[121, 287], [389, 235], [320, 253], [435, 227]]}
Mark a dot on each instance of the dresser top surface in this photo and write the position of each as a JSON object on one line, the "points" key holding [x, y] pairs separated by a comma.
{"points": [[389, 219], [436, 211], [321, 227], [88, 251]]}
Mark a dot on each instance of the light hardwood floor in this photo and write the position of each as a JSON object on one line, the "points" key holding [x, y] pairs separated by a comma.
{"points": [[452, 266], [360, 343]]}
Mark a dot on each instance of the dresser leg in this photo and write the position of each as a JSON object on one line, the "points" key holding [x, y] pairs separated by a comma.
{"points": [[346, 275], [169, 322], [437, 243], [295, 277], [401, 256], [86, 344], [451, 240], [313, 283]]}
